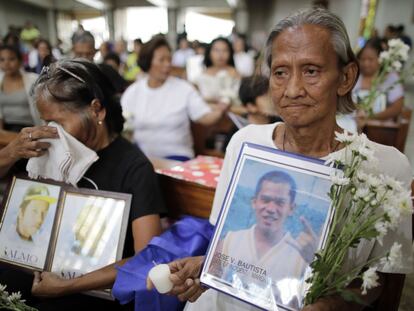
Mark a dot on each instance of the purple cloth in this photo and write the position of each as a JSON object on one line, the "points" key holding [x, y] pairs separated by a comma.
{"points": [[189, 236]]}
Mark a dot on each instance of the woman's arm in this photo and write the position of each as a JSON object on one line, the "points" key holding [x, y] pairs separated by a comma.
{"points": [[144, 229], [392, 111], [25, 145], [214, 116], [48, 284]]}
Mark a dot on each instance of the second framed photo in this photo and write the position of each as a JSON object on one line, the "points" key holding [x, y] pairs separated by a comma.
{"points": [[90, 231]]}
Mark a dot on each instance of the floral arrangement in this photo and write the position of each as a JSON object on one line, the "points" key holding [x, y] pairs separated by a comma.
{"points": [[365, 206], [390, 60], [12, 301]]}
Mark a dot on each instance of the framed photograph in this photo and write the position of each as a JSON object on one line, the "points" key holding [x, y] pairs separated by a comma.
{"points": [[90, 231], [28, 215], [48, 226], [275, 216]]}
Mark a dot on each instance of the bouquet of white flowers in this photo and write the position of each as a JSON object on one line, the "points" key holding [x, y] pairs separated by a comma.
{"points": [[12, 301], [390, 61], [366, 206]]}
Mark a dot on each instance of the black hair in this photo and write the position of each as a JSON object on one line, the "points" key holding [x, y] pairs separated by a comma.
{"points": [[13, 49], [138, 40], [244, 38], [207, 57], [112, 56], [374, 43], [147, 51], [75, 84], [11, 36], [253, 87], [49, 46], [278, 177]]}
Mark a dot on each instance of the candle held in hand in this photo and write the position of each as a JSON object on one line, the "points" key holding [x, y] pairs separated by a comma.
{"points": [[160, 277]]}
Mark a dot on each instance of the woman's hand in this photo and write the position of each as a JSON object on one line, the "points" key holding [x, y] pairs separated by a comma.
{"points": [[185, 277], [27, 145], [48, 284]]}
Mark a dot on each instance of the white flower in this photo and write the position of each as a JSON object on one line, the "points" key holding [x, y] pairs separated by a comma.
{"points": [[394, 258], [14, 297], [396, 65], [369, 280], [393, 213], [2, 288], [393, 184], [373, 181], [362, 193], [382, 229], [336, 157], [405, 203], [361, 176], [339, 179], [345, 137], [384, 55]]}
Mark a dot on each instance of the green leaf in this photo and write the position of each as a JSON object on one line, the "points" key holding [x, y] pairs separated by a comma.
{"points": [[351, 296]]}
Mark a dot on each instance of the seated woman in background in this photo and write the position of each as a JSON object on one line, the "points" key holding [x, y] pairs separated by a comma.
{"points": [[77, 95], [40, 56], [220, 81], [162, 106], [390, 104], [243, 60], [16, 107]]}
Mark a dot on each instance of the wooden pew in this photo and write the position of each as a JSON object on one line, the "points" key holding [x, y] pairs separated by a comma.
{"points": [[183, 197], [390, 132]]}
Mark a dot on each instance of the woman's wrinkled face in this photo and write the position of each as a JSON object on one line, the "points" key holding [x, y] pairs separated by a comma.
{"points": [[75, 123], [161, 64], [9, 63], [220, 54], [31, 218], [369, 62], [305, 76]]}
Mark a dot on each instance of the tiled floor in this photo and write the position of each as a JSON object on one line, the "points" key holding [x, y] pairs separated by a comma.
{"points": [[407, 299]]}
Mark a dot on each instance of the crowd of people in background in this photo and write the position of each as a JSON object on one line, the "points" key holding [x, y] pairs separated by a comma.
{"points": [[215, 69]]}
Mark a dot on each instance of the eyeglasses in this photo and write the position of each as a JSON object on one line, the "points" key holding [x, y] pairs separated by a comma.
{"points": [[45, 70]]}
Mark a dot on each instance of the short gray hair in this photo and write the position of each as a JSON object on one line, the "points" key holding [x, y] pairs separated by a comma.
{"points": [[84, 37], [339, 37]]}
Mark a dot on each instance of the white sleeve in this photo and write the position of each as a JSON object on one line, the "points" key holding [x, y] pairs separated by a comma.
{"points": [[127, 99], [196, 106], [230, 160]]}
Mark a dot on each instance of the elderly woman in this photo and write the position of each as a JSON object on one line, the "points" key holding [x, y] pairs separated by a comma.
{"points": [[313, 71], [162, 106], [16, 107], [77, 96], [390, 104]]}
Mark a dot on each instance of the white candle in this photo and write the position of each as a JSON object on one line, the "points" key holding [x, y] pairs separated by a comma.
{"points": [[160, 277]]}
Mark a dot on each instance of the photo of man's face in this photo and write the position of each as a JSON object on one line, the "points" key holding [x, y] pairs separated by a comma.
{"points": [[272, 206], [33, 211], [31, 218]]}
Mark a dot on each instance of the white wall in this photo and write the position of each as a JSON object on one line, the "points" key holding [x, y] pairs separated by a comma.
{"points": [[348, 11], [17, 13]]}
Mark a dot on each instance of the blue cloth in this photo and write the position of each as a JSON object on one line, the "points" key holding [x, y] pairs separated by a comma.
{"points": [[189, 236], [178, 158]]}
